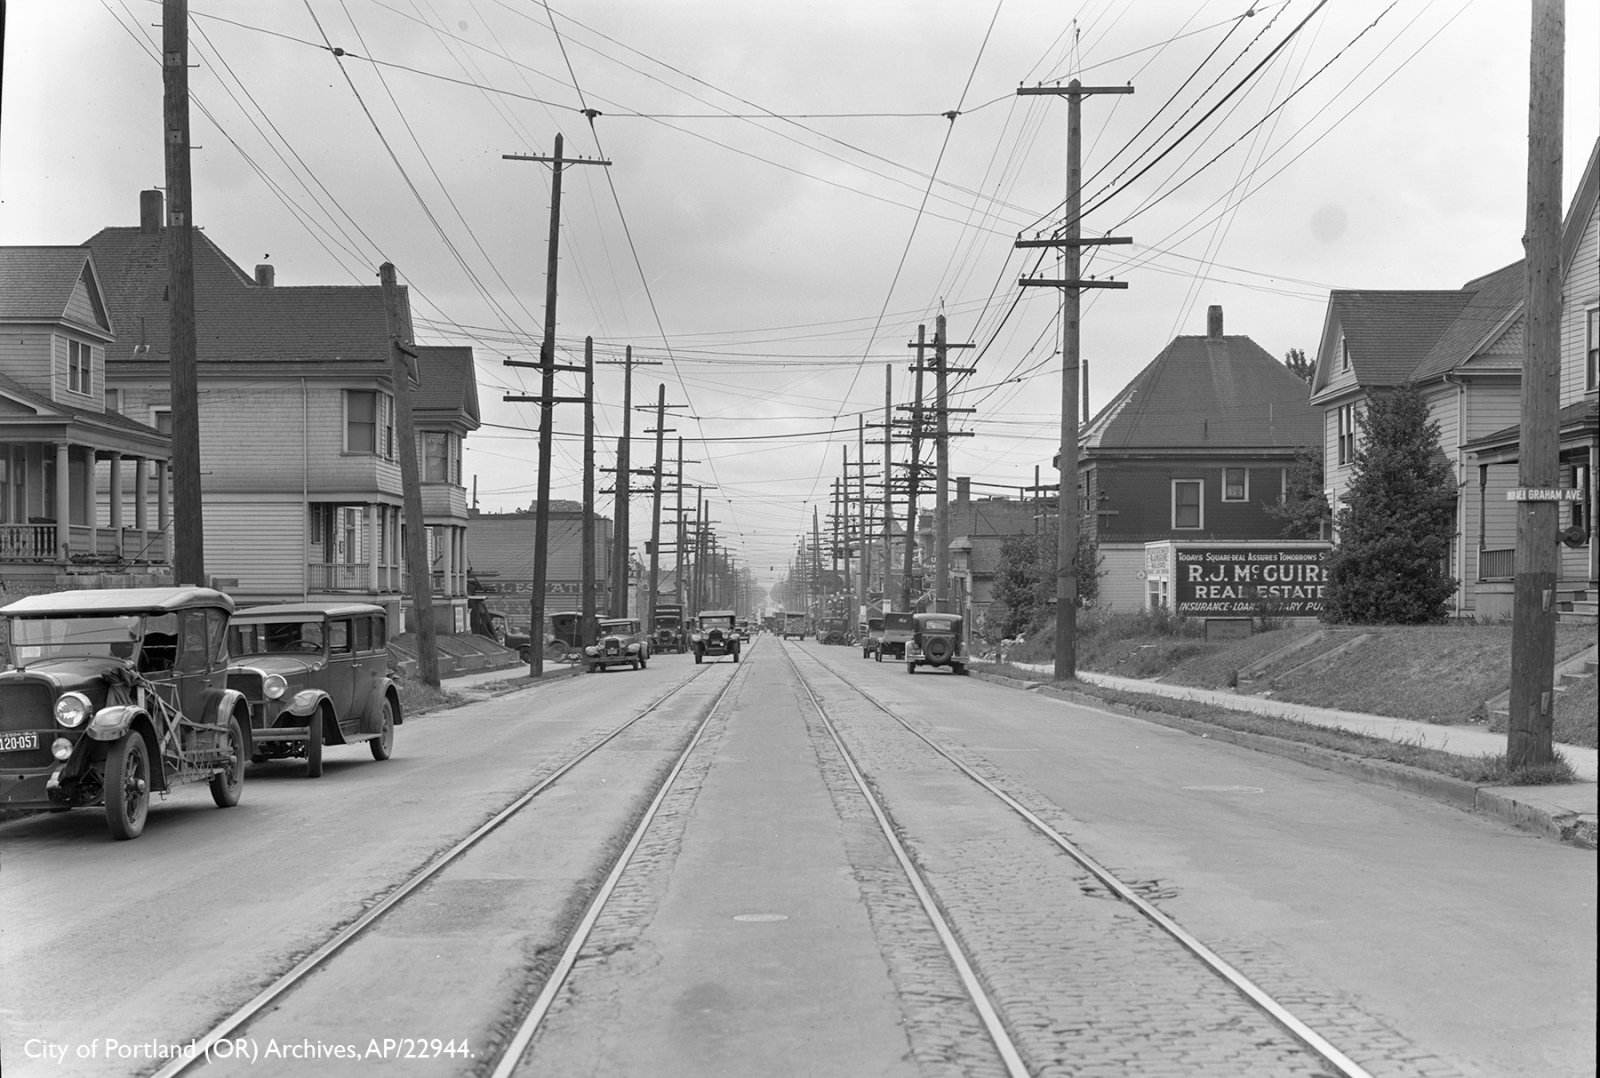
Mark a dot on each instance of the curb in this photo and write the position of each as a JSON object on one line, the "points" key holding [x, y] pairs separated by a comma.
{"points": [[1571, 829]]}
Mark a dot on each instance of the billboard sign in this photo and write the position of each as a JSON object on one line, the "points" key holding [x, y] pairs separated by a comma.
{"points": [[1240, 581]]}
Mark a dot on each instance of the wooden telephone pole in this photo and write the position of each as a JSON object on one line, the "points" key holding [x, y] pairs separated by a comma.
{"points": [[622, 551], [188, 523], [401, 359], [546, 400], [1529, 733], [1072, 241]]}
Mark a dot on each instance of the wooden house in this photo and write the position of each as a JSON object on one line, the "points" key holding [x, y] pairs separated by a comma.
{"points": [[57, 434]]}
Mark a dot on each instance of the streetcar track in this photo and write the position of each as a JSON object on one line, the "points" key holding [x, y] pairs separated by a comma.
{"points": [[1245, 987], [988, 1013], [201, 1046]]}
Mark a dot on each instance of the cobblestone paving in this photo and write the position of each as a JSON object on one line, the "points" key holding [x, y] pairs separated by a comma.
{"points": [[1086, 984]]}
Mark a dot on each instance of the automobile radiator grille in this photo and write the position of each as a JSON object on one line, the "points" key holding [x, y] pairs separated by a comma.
{"points": [[26, 705]]}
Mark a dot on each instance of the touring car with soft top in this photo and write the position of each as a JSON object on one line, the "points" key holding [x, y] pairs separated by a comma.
{"points": [[115, 694], [716, 633]]}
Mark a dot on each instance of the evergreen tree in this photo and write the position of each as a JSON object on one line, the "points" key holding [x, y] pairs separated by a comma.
{"points": [[1295, 359], [1304, 509], [1025, 580], [1391, 562]]}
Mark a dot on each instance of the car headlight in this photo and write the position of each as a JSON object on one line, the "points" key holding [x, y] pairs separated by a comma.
{"points": [[273, 686], [73, 709]]}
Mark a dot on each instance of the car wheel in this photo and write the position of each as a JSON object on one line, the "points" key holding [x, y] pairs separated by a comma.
{"points": [[228, 784], [127, 786], [959, 669], [911, 668], [699, 657], [314, 746], [643, 662], [383, 744], [736, 656], [878, 655]]}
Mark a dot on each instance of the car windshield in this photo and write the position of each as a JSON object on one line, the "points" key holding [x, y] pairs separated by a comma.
{"points": [[619, 628], [275, 637], [105, 635], [710, 622]]}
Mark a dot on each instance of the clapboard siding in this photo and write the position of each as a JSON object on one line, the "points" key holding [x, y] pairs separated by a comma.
{"points": [[1580, 293], [258, 539], [25, 356]]}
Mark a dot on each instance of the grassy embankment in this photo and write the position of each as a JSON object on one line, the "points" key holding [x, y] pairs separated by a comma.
{"points": [[1441, 675]]}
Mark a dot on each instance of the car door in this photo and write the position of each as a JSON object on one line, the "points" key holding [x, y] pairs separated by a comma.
{"points": [[368, 660], [342, 673]]}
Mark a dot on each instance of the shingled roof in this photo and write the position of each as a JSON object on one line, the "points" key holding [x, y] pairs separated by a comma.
{"points": [[1388, 333], [447, 382], [1222, 392], [37, 285], [236, 319]]}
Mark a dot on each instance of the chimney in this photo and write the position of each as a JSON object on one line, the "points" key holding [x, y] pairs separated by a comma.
{"points": [[150, 211], [1214, 322], [264, 276], [963, 488]]}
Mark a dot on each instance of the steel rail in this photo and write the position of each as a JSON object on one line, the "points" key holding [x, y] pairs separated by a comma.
{"points": [[511, 1055], [1251, 991], [987, 1012], [200, 1047]]}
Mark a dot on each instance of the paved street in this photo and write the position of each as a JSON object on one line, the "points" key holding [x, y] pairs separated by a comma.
{"points": [[764, 927]]}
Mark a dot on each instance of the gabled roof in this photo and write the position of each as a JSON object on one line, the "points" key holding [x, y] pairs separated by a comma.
{"points": [[112, 424], [236, 319], [1492, 301], [1388, 333], [37, 285], [1221, 393], [448, 383]]}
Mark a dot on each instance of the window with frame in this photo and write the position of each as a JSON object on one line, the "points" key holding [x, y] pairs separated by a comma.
{"points": [[1347, 433], [1187, 512], [114, 401], [1236, 484], [1591, 363], [80, 366], [1344, 353], [369, 423], [435, 457]]}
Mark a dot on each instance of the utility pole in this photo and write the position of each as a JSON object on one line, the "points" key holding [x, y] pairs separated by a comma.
{"points": [[816, 568], [1529, 734], [586, 573], [864, 580], [655, 511], [914, 468], [622, 552], [401, 357], [1072, 241], [941, 512], [888, 493], [547, 400], [188, 522], [677, 542]]}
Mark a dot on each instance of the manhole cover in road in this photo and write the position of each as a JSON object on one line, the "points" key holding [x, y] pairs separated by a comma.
{"points": [[1226, 789], [761, 917]]}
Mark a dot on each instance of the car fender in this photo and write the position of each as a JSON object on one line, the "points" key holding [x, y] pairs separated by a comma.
{"points": [[304, 704], [385, 688], [222, 705], [114, 722]]}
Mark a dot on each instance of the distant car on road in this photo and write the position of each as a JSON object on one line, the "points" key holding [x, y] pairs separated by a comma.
{"points": [[937, 640], [116, 694], [872, 638], [621, 642], [796, 624], [898, 627], [315, 674], [716, 633]]}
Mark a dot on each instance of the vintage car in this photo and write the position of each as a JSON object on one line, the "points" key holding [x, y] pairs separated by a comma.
{"points": [[897, 631], [314, 674], [872, 638], [834, 631], [667, 631], [796, 624], [937, 640], [716, 633], [117, 693], [621, 642]]}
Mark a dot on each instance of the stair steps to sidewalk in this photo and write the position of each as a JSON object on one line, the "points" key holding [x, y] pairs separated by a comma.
{"points": [[1567, 673]]}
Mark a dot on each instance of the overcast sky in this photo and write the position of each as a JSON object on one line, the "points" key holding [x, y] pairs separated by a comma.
{"points": [[788, 200]]}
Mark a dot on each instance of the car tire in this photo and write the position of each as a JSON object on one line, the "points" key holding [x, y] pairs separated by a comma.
{"points": [[314, 746], [699, 657], [643, 662], [911, 668], [383, 744], [735, 656], [877, 656], [959, 668], [127, 786], [228, 784]]}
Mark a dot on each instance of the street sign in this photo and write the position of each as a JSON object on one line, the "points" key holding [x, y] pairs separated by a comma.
{"points": [[1544, 494]]}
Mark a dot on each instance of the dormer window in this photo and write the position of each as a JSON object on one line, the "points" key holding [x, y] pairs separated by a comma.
{"points": [[1344, 353], [80, 360]]}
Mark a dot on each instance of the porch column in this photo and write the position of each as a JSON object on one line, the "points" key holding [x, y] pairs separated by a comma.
{"points": [[164, 504], [371, 526], [63, 507], [116, 497], [141, 492], [1593, 497], [90, 516]]}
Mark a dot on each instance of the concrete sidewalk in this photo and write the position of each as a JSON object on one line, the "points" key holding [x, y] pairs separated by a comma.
{"points": [[1566, 811]]}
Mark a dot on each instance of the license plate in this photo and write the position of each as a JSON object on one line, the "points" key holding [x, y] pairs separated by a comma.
{"points": [[19, 742]]}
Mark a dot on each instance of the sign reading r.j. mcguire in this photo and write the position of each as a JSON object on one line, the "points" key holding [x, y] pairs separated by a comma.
{"points": [[1241, 582]]}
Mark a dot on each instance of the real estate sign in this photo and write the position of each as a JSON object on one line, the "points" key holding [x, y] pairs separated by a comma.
{"points": [[1241, 579]]}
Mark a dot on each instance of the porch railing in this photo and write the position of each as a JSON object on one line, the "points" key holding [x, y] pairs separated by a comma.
{"points": [[340, 576], [28, 543], [36, 544], [1497, 564]]}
